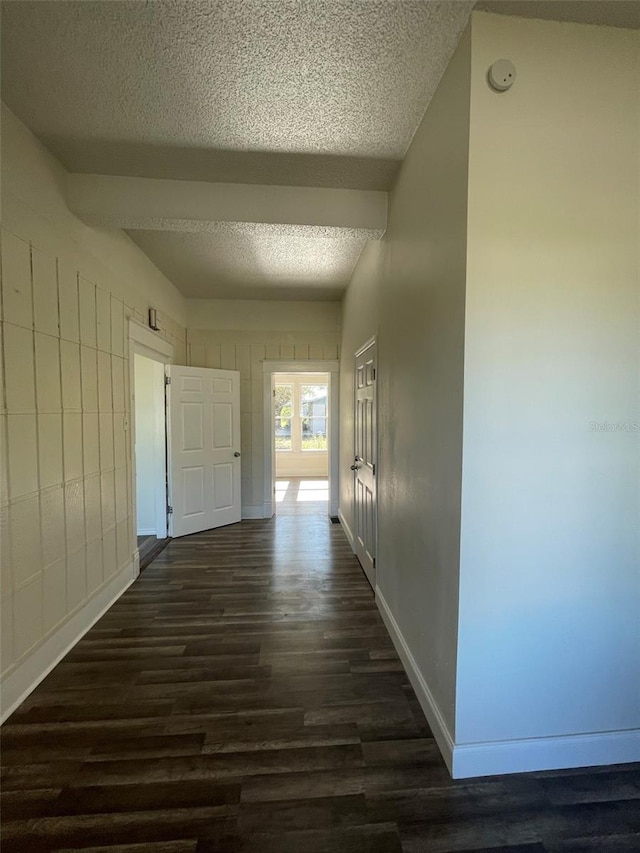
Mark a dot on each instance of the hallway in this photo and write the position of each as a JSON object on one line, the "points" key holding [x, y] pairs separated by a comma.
{"points": [[244, 695]]}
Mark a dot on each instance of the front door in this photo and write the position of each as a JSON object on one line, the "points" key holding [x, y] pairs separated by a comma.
{"points": [[203, 441], [365, 462]]}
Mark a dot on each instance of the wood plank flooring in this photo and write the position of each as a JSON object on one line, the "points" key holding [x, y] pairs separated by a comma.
{"points": [[244, 695]]}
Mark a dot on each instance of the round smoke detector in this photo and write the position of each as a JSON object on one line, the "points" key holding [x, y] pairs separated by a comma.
{"points": [[502, 75]]}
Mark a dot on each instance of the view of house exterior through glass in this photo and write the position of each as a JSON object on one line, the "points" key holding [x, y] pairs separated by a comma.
{"points": [[301, 417]]}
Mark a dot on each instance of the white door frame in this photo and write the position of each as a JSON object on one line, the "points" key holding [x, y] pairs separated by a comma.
{"points": [[332, 369], [143, 341]]}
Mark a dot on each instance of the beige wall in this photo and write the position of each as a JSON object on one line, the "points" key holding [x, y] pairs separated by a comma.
{"points": [[361, 309], [550, 576], [409, 289], [66, 505], [239, 349], [255, 315]]}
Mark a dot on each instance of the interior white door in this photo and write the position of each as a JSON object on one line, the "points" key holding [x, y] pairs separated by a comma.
{"points": [[203, 429], [365, 463]]}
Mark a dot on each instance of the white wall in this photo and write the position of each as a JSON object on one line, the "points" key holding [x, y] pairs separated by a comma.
{"points": [[410, 290], [549, 641], [149, 441], [66, 533]]}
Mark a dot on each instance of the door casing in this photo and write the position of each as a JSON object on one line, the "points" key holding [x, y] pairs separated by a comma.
{"points": [[143, 341]]}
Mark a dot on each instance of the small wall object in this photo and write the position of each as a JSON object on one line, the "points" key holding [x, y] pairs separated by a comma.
{"points": [[502, 75], [153, 320]]}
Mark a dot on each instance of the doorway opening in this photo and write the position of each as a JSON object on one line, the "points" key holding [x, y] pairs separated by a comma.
{"points": [[301, 442], [148, 356], [150, 457], [301, 437]]}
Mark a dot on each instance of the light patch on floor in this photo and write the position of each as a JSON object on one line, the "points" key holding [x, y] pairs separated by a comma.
{"points": [[297, 490]]}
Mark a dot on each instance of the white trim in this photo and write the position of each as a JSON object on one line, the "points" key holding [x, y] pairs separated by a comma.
{"points": [[365, 346], [548, 753], [425, 697], [318, 366], [21, 681], [347, 530], [148, 339], [151, 531], [332, 368]]}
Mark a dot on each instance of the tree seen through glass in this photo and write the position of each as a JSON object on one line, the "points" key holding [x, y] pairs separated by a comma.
{"points": [[283, 413], [311, 421]]}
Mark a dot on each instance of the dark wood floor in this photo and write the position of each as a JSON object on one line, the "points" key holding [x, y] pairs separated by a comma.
{"points": [[244, 695], [148, 549]]}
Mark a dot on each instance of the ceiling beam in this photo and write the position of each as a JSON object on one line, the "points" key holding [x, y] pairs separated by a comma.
{"points": [[167, 205]]}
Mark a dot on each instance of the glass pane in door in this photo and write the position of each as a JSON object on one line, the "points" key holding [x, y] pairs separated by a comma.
{"points": [[314, 417], [283, 405]]}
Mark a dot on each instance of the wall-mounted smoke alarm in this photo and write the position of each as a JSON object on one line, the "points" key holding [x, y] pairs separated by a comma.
{"points": [[502, 75], [153, 320]]}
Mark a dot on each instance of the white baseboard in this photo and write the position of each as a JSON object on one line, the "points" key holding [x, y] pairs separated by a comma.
{"points": [[22, 680], [151, 531], [347, 530], [547, 753], [425, 697], [467, 760]]}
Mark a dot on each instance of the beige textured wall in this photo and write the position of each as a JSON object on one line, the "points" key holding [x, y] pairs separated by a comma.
{"points": [[65, 501], [246, 351]]}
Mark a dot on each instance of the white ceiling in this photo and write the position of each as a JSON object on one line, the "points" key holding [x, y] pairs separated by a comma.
{"points": [[312, 93]]}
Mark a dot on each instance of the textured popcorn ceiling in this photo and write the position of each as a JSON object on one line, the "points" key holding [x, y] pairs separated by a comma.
{"points": [[255, 261], [319, 77], [294, 92]]}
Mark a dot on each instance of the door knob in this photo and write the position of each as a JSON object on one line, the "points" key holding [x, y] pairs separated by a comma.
{"points": [[354, 467], [236, 454]]}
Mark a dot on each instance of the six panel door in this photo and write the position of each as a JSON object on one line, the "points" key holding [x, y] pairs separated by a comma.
{"points": [[203, 420], [365, 461]]}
